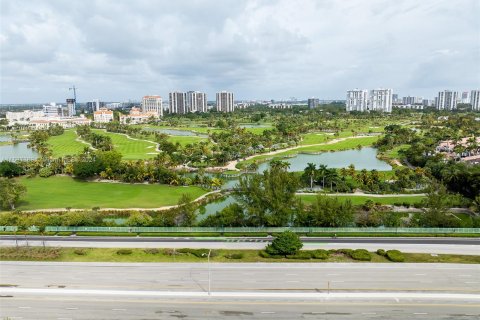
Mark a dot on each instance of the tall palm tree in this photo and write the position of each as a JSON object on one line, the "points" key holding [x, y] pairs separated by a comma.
{"points": [[310, 171], [321, 173]]}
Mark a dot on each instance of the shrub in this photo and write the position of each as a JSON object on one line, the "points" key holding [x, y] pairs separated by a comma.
{"points": [[45, 172], [265, 254], [361, 255], [29, 253], [151, 251], [381, 252], [234, 256], [80, 252], [395, 256], [287, 243], [124, 252], [320, 254], [171, 252], [347, 252], [301, 255], [199, 253]]}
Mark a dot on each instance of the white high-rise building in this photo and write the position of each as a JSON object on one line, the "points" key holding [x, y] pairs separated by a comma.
{"points": [[225, 101], [177, 102], [196, 101], [52, 110], [475, 100], [357, 100], [152, 104], [447, 100], [380, 100]]}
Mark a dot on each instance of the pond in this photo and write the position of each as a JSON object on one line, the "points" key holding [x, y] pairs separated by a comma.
{"points": [[4, 138], [173, 132], [17, 151], [366, 158], [214, 207]]}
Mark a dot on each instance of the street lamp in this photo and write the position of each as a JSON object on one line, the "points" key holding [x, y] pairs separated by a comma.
{"points": [[209, 273]]}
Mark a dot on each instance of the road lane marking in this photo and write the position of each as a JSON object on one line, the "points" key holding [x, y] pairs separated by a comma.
{"points": [[116, 309], [24, 307], [420, 313], [267, 312], [72, 308]]}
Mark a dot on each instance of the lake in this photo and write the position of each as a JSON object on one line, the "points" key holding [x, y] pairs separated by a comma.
{"points": [[19, 150], [366, 158]]}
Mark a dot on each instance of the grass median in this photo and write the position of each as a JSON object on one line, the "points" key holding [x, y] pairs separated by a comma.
{"points": [[200, 255]]}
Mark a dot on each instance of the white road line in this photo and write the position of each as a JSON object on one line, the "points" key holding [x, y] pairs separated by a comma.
{"points": [[24, 307], [292, 281], [267, 312], [420, 274], [119, 309], [291, 274], [333, 274], [369, 313], [71, 308], [420, 313]]}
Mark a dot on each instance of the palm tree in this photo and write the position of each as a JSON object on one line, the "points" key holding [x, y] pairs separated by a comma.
{"points": [[310, 171], [321, 172]]}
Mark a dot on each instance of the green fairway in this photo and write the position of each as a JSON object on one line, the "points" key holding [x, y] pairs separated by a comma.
{"points": [[359, 200], [65, 144], [62, 192], [184, 140], [131, 149]]}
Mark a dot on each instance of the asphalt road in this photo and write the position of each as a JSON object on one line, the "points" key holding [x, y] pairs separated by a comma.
{"points": [[42, 290], [469, 246]]}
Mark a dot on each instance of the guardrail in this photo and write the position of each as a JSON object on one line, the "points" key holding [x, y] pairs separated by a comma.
{"points": [[246, 230]]}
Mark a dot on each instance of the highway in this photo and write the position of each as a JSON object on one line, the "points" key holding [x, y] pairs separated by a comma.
{"points": [[43, 290], [451, 245]]}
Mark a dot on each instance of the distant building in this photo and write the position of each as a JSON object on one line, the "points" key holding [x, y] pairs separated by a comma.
{"points": [[313, 103], [375, 100], [23, 117], [357, 100], [103, 115], [70, 110], [177, 102], [465, 97], [152, 104], [475, 100], [196, 101], [380, 100], [412, 100], [136, 116], [225, 101], [447, 100], [64, 122], [52, 110], [95, 105], [395, 98]]}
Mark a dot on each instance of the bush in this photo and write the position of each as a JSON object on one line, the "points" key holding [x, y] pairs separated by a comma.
{"points": [[320, 254], [45, 172], [395, 256], [29, 253], [347, 252], [381, 252], [265, 254], [124, 252], [361, 255], [287, 243], [199, 253], [80, 252], [301, 255], [151, 251], [234, 256]]}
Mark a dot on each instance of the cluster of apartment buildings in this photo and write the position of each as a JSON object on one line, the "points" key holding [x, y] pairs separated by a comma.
{"points": [[383, 100], [469, 149]]}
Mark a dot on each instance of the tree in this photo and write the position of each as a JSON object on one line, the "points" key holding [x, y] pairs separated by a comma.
{"points": [[287, 243], [186, 212], [10, 192], [436, 207], [310, 172], [10, 169]]}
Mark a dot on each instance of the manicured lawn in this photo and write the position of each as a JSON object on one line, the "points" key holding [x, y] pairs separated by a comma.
{"points": [[394, 152], [65, 144], [131, 149], [184, 140], [359, 200], [62, 192]]}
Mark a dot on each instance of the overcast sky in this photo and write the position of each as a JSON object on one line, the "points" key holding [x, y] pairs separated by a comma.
{"points": [[266, 49]]}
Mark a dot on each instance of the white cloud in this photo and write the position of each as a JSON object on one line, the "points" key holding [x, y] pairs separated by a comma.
{"points": [[117, 50]]}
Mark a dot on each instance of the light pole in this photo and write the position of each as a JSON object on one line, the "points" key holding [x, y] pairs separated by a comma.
{"points": [[209, 272]]}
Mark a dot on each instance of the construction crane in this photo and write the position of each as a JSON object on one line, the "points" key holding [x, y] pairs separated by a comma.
{"points": [[74, 92]]}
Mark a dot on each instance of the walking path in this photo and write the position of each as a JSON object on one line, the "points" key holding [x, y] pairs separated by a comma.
{"points": [[360, 193]]}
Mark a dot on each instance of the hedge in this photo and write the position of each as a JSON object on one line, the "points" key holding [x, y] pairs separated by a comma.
{"points": [[395, 256]]}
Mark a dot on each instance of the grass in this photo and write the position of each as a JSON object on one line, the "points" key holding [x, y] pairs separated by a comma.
{"points": [[394, 153], [62, 192], [65, 144], [129, 148], [184, 140], [359, 200], [169, 255]]}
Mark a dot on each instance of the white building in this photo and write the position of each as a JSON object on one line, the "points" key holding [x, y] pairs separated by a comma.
{"points": [[196, 101], [52, 110], [152, 104], [447, 100], [23, 117], [137, 116], [225, 101], [357, 100], [475, 100], [103, 115], [380, 100], [71, 108], [65, 122], [177, 102]]}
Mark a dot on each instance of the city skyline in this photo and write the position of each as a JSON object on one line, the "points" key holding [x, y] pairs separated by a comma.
{"points": [[278, 49]]}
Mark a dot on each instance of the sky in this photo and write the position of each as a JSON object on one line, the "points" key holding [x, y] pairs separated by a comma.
{"points": [[259, 49]]}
